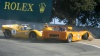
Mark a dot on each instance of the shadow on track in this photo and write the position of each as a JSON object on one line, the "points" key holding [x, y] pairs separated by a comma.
{"points": [[30, 41]]}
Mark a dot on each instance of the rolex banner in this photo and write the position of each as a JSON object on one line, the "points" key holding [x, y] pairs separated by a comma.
{"points": [[26, 10]]}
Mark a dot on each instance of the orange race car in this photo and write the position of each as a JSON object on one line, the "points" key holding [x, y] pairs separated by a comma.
{"points": [[65, 34]]}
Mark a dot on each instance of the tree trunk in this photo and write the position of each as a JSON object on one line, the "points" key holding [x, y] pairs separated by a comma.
{"points": [[72, 22]]}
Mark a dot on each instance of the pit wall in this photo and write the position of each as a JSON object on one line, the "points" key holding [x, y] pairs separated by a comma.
{"points": [[39, 26]]}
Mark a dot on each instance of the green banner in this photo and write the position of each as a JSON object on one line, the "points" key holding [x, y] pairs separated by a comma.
{"points": [[26, 10]]}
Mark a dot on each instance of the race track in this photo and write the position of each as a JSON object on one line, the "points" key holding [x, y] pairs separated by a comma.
{"points": [[21, 47]]}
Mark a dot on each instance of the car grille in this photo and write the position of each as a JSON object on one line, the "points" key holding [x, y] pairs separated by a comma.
{"points": [[53, 35]]}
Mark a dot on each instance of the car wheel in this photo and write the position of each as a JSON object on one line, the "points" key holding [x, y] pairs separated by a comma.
{"points": [[33, 36], [69, 39], [7, 34], [85, 36]]}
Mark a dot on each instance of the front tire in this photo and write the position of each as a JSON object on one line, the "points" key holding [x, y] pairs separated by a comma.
{"points": [[33, 36]]}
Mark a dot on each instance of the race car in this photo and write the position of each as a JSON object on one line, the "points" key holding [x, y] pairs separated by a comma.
{"points": [[20, 31], [63, 33], [66, 34]]}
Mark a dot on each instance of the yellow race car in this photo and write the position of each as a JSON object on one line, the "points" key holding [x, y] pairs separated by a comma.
{"points": [[20, 31]]}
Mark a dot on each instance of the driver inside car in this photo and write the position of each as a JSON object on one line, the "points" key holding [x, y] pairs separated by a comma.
{"points": [[24, 28]]}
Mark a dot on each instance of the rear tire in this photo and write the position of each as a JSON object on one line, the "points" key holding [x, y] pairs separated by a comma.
{"points": [[69, 39], [33, 36], [7, 34], [85, 36]]}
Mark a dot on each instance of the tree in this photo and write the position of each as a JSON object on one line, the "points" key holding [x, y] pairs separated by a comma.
{"points": [[72, 9], [93, 16]]}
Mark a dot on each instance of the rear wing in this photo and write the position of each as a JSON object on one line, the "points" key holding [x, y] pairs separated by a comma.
{"points": [[67, 27]]}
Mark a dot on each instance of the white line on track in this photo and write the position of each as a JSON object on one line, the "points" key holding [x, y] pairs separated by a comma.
{"points": [[89, 44]]}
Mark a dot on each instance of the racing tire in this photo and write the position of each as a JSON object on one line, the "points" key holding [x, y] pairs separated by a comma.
{"points": [[85, 36], [69, 39], [7, 34], [32, 36]]}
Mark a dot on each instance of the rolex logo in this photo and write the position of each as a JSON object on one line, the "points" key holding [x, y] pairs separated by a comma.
{"points": [[42, 7]]}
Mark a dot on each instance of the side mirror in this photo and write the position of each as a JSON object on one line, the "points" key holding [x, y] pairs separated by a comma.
{"points": [[70, 28]]}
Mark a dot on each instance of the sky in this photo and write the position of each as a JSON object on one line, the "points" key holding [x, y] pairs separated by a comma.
{"points": [[56, 21]]}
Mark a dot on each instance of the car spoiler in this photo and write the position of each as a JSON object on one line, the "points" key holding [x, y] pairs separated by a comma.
{"points": [[68, 27]]}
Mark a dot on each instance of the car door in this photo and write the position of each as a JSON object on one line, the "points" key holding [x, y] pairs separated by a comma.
{"points": [[19, 33], [24, 32]]}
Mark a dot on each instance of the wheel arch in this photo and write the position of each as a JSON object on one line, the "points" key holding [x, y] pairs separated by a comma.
{"points": [[6, 30], [38, 33]]}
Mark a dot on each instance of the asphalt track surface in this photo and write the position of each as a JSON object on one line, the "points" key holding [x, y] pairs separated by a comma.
{"points": [[22, 47]]}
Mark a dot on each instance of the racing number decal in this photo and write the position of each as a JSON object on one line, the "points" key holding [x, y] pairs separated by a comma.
{"points": [[13, 32], [78, 36]]}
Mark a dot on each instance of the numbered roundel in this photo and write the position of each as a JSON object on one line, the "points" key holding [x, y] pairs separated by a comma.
{"points": [[78, 36], [13, 32]]}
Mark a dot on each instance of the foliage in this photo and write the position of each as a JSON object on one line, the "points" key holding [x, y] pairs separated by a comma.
{"points": [[72, 9]]}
